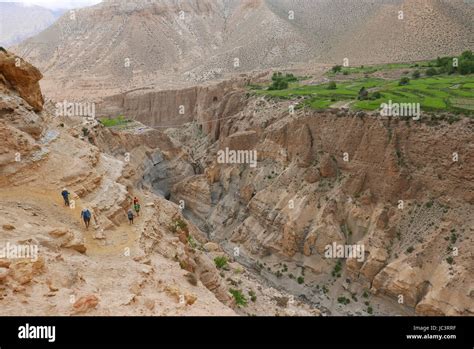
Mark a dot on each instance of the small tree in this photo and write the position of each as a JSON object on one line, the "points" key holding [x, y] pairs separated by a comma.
{"points": [[416, 74], [467, 55], [466, 67], [336, 69], [431, 72], [363, 94], [404, 81], [280, 82], [332, 86]]}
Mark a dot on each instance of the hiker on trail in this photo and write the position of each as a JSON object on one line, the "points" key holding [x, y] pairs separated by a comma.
{"points": [[65, 195], [130, 216], [86, 216], [137, 208], [135, 201]]}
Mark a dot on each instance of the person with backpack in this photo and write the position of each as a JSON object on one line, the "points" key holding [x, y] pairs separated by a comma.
{"points": [[130, 216], [65, 195], [86, 216], [137, 208]]}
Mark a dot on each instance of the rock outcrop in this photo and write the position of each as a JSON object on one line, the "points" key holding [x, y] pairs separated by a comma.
{"points": [[322, 180], [22, 77]]}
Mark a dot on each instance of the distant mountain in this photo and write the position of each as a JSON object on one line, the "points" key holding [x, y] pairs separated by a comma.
{"points": [[19, 22], [125, 45]]}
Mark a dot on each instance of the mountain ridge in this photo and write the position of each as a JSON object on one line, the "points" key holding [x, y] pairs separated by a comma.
{"points": [[114, 47]]}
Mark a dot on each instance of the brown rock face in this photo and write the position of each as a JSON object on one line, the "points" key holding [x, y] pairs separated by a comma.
{"points": [[86, 303], [23, 77], [323, 179], [328, 167]]}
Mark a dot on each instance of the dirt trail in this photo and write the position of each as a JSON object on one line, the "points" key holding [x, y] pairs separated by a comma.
{"points": [[51, 205]]}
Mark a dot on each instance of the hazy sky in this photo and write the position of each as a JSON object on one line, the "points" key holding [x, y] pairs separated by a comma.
{"points": [[56, 4]]}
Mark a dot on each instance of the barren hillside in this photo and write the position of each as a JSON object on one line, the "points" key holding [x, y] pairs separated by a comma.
{"points": [[117, 46], [19, 22]]}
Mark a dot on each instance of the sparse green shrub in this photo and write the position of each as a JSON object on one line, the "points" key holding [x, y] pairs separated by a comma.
{"points": [[343, 300], [300, 280], [192, 242], [416, 74], [453, 238], [370, 310], [337, 269], [410, 249], [253, 296], [240, 299], [450, 260], [332, 86], [220, 262], [178, 224]]}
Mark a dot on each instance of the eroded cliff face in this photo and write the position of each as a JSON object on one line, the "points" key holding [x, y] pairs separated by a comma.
{"points": [[402, 190], [173, 108], [159, 265]]}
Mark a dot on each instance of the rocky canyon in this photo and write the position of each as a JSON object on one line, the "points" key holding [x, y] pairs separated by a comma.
{"points": [[250, 132]]}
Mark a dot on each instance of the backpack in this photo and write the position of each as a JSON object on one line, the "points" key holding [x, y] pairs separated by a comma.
{"points": [[87, 214], [130, 215]]}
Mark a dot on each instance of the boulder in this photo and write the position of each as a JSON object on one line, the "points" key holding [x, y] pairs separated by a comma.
{"points": [[211, 247], [22, 77]]}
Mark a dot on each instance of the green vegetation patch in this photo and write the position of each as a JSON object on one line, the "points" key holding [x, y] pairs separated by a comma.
{"points": [[453, 93], [239, 298], [221, 262], [111, 122]]}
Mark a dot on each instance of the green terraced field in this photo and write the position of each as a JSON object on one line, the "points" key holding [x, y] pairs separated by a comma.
{"points": [[439, 93], [380, 67]]}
